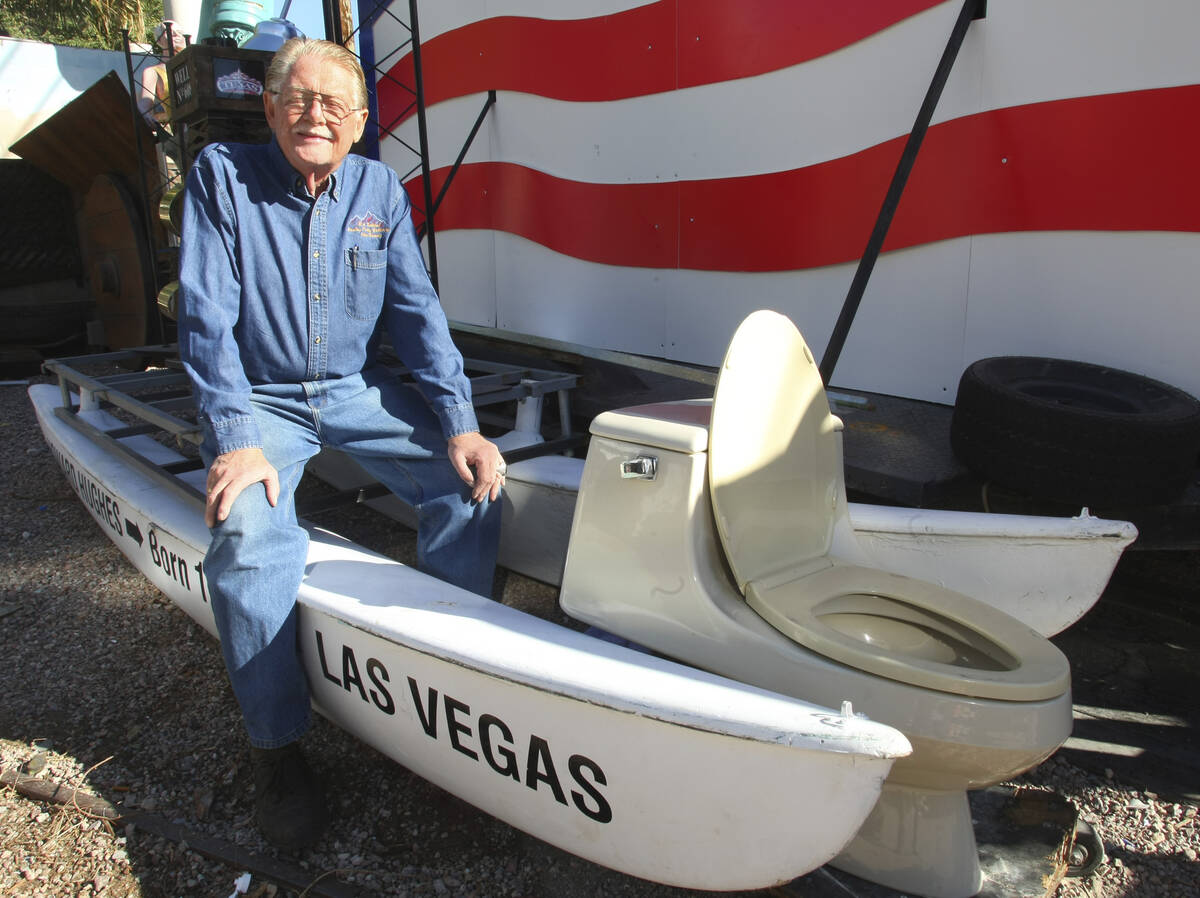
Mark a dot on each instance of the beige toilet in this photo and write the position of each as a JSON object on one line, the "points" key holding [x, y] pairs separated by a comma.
{"points": [[719, 535]]}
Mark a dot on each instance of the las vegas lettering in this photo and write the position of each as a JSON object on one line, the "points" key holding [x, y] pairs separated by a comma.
{"points": [[484, 738]]}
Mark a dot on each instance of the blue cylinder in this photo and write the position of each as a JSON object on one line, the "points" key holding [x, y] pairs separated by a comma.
{"points": [[234, 19]]}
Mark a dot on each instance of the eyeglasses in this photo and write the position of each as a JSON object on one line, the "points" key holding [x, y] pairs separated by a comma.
{"points": [[298, 101]]}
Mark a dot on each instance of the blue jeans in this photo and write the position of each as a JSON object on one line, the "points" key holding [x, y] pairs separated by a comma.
{"points": [[256, 560]]}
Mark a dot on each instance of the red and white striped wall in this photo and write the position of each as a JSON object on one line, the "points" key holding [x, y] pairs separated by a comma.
{"points": [[653, 172]]}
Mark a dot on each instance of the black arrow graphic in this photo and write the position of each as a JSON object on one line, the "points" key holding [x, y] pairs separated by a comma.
{"points": [[132, 529]]}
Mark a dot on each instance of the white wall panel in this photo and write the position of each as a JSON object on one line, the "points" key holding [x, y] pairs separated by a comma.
{"points": [[1121, 299], [907, 338], [1039, 50], [552, 295], [467, 275]]}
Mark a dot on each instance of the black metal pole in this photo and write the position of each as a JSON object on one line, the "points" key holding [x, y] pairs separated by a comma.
{"points": [[437, 203], [488, 104], [332, 12], [972, 9], [426, 179]]}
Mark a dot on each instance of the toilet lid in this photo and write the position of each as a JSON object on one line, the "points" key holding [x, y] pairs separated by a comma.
{"points": [[775, 463], [914, 632]]}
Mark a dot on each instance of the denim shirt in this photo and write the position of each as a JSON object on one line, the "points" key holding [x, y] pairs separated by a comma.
{"points": [[277, 287]]}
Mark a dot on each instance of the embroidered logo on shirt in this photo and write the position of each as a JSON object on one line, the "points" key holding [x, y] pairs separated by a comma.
{"points": [[367, 225]]}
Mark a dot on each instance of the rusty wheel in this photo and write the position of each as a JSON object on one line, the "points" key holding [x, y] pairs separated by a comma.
{"points": [[119, 263]]}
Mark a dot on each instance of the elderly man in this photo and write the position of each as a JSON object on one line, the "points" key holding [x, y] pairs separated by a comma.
{"points": [[293, 252]]}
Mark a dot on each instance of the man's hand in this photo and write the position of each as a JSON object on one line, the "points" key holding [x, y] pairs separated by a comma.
{"points": [[230, 474], [472, 450]]}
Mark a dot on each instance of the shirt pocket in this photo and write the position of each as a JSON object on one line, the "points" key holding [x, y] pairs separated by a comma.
{"points": [[366, 281]]}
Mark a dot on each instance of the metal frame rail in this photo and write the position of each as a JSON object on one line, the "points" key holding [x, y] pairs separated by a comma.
{"points": [[497, 383], [93, 392]]}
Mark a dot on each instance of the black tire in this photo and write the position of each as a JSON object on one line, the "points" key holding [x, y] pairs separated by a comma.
{"points": [[1075, 432], [1087, 852]]}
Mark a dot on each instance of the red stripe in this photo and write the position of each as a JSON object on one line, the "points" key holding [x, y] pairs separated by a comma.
{"points": [[636, 224], [1116, 162], [719, 40], [654, 48]]}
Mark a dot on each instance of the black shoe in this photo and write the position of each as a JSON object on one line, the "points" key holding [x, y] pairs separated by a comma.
{"points": [[289, 804]]}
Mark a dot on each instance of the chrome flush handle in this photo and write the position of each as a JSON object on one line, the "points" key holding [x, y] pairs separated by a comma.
{"points": [[644, 467]]}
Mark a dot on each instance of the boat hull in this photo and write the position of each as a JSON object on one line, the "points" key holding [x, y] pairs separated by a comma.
{"points": [[643, 765], [1046, 572]]}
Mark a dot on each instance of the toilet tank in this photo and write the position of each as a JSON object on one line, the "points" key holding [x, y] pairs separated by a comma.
{"points": [[642, 542]]}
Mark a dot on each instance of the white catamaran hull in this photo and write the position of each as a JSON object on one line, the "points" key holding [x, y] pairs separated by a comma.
{"points": [[640, 764], [1047, 572]]}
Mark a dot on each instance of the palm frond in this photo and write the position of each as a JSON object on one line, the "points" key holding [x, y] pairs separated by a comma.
{"points": [[110, 16]]}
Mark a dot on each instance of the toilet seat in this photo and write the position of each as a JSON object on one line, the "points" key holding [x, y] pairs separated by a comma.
{"points": [[994, 655], [777, 486]]}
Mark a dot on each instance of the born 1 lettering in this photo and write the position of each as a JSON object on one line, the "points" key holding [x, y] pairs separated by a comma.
{"points": [[198, 567], [174, 566]]}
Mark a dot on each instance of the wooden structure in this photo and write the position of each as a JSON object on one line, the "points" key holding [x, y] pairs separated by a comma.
{"points": [[98, 149], [217, 96]]}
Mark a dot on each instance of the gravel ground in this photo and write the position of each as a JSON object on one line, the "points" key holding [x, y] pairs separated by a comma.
{"points": [[109, 689]]}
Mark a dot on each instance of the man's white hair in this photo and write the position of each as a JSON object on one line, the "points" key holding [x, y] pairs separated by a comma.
{"points": [[298, 47]]}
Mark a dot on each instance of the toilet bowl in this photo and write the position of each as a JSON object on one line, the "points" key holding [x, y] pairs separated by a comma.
{"points": [[706, 531]]}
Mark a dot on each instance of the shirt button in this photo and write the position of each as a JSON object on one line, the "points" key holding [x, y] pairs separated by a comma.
{"points": [[317, 254], [316, 297], [317, 340]]}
